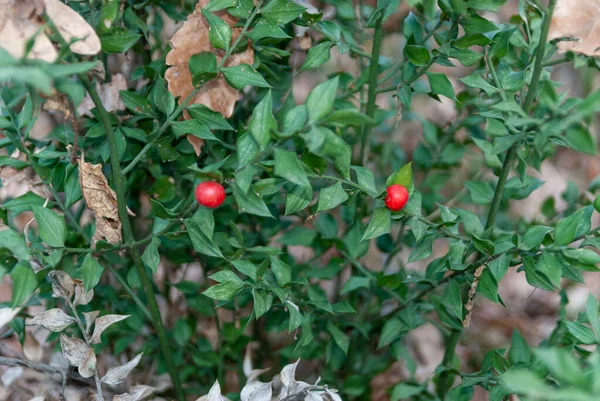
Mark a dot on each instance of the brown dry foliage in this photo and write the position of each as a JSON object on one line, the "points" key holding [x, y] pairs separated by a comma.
{"points": [[578, 20], [102, 200], [21, 20]]}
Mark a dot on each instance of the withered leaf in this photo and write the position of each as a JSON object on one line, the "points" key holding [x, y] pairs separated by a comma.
{"points": [[197, 143], [22, 20], [87, 368], [579, 21], [6, 315], [102, 200], [135, 394], [74, 350], [82, 297], [63, 285], [54, 320], [118, 374], [256, 391], [102, 323], [90, 318], [192, 38]]}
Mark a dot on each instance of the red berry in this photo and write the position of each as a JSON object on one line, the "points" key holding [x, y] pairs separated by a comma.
{"points": [[396, 198], [210, 194]]}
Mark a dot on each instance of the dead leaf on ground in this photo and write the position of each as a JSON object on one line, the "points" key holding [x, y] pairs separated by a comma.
{"points": [[109, 94], [578, 20], [190, 39], [22, 20], [102, 200]]}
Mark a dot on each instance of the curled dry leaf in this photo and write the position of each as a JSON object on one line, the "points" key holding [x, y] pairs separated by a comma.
{"points": [[118, 374], [197, 143], [102, 200], [90, 318], [54, 320], [135, 394], [63, 285], [74, 350], [6, 315], [87, 368], [21, 21], [102, 323], [190, 39], [579, 21], [256, 391], [109, 95], [82, 297], [214, 394]]}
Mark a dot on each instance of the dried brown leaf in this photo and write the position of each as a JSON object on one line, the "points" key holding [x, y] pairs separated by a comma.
{"points": [[88, 366], [75, 350], [109, 94], [22, 20], [102, 323], [63, 285], [54, 320], [90, 318], [82, 297], [102, 200], [190, 39], [6, 315], [578, 20], [135, 394], [72, 26], [118, 374], [197, 143]]}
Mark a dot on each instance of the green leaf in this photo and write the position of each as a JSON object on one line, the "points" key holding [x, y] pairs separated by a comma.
{"points": [[417, 227], [261, 303], [203, 68], [404, 391], [317, 56], [289, 167], [355, 283], [391, 330], [298, 236], [265, 29], [471, 221], [200, 241], [136, 104], [488, 286], [331, 197], [380, 224], [249, 202], [245, 267], [282, 272], [218, 5], [51, 226], [243, 75], [423, 249], [549, 265], [247, 150], [219, 32], [163, 98], [150, 257], [535, 277], [213, 120], [297, 199], [224, 291], [262, 122], [349, 117], [452, 300], [592, 314], [581, 255], [119, 40], [569, 228], [192, 127], [295, 316], [91, 272], [339, 337], [33, 76], [319, 102], [563, 365], [417, 54], [582, 333], [294, 120], [440, 85], [534, 236], [24, 284], [325, 143], [402, 177], [477, 81], [481, 192], [15, 243], [281, 11], [366, 180]]}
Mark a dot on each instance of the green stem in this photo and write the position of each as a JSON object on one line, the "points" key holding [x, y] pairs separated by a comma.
{"points": [[412, 79], [372, 91], [445, 380], [119, 184]]}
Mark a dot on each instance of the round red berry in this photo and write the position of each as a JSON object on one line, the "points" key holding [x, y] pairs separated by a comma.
{"points": [[210, 194], [396, 198]]}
